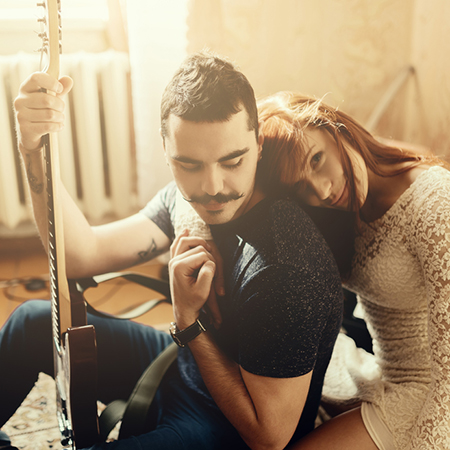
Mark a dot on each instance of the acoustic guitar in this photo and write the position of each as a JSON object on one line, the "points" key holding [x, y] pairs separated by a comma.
{"points": [[74, 343]]}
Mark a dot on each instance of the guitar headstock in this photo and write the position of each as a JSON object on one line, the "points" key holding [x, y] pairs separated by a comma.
{"points": [[51, 35]]}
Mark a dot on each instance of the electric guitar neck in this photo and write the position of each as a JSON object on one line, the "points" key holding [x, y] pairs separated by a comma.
{"points": [[74, 343]]}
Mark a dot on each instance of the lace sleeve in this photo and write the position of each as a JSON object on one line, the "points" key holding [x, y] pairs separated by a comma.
{"points": [[431, 234], [187, 219]]}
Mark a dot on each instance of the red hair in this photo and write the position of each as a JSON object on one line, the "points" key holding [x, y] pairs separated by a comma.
{"points": [[287, 115]]}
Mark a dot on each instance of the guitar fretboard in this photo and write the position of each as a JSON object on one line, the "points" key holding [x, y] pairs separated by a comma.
{"points": [[52, 254]]}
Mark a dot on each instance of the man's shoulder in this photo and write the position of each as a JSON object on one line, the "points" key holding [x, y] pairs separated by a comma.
{"points": [[161, 208], [283, 206], [165, 196], [169, 191], [296, 237], [290, 219]]}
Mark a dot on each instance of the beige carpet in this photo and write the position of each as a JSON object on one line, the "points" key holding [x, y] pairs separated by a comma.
{"points": [[34, 425]]}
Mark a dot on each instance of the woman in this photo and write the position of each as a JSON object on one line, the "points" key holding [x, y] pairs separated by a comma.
{"points": [[400, 269]]}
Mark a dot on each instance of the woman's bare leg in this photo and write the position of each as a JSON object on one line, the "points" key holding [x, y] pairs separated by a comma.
{"points": [[343, 432]]}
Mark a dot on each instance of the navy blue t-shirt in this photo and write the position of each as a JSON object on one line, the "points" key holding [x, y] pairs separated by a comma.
{"points": [[283, 305]]}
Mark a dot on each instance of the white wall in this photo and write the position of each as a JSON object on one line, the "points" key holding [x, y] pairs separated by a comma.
{"points": [[157, 41], [350, 50]]}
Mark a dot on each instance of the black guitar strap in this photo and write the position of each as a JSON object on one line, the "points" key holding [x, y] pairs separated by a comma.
{"points": [[134, 413], [154, 284]]}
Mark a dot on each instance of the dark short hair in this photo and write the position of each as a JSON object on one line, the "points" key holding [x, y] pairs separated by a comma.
{"points": [[208, 88]]}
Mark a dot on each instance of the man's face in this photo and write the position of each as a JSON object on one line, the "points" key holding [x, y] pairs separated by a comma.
{"points": [[214, 165]]}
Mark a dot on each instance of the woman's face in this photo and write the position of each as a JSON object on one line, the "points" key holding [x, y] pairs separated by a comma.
{"points": [[322, 181]]}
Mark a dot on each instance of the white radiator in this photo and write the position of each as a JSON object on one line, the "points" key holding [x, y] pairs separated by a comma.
{"points": [[96, 146]]}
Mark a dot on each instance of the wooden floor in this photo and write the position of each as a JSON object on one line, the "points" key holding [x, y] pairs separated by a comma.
{"points": [[24, 275]]}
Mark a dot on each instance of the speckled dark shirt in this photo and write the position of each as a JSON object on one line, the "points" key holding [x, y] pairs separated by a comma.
{"points": [[283, 307]]}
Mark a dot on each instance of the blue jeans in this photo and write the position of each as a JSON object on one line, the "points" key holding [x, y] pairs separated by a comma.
{"points": [[125, 349]]}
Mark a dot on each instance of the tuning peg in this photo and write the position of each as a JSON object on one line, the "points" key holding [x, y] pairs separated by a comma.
{"points": [[43, 35], [44, 39], [41, 4]]}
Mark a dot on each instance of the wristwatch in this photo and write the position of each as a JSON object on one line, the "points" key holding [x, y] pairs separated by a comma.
{"points": [[181, 338]]}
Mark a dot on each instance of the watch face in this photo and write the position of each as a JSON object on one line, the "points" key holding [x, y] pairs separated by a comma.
{"points": [[173, 332]]}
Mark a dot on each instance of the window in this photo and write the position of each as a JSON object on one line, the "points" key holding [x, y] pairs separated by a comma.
{"points": [[84, 23], [11, 10]]}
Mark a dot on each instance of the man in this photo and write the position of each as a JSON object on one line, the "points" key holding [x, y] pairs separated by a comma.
{"points": [[256, 380]]}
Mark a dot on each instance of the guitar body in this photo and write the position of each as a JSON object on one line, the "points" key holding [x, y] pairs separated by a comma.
{"points": [[74, 343], [76, 378], [77, 410], [75, 366]]}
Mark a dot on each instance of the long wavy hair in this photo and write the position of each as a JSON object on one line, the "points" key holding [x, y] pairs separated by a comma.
{"points": [[287, 115]]}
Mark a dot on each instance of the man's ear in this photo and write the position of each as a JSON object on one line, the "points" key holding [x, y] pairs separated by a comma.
{"points": [[163, 141], [164, 146], [260, 138]]}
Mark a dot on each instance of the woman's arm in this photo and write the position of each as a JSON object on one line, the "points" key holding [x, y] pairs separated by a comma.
{"points": [[432, 242]]}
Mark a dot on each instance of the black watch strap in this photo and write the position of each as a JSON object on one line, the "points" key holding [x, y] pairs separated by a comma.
{"points": [[183, 337]]}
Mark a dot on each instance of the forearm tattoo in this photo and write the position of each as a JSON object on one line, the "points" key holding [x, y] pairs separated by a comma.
{"points": [[150, 253], [35, 186]]}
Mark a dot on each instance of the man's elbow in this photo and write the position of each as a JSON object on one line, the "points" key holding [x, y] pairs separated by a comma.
{"points": [[266, 446], [266, 440]]}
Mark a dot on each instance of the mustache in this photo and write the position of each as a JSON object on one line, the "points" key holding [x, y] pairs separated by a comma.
{"points": [[219, 198]]}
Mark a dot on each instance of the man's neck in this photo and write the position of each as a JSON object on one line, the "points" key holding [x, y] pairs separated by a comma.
{"points": [[256, 197]]}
